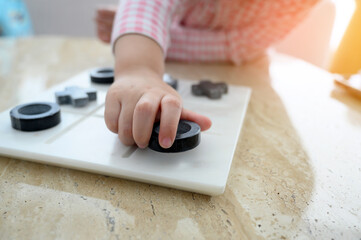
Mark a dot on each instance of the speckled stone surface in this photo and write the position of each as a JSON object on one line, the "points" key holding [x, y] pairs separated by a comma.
{"points": [[296, 172]]}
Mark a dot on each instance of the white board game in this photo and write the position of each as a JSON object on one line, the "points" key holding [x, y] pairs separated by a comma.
{"points": [[82, 141]]}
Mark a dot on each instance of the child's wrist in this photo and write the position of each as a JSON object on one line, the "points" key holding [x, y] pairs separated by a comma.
{"points": [[134, 51], [137, 72]]}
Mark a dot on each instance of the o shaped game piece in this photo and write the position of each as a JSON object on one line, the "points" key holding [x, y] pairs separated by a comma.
{"points": [[188, 137], [35, 116], [102, 75]]}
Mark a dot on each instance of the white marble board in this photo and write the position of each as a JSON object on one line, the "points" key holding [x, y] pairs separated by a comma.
{"points": [[82, 141]]}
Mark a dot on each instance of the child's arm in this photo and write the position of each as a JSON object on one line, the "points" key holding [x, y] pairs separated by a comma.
{"points": [[139, 96]]}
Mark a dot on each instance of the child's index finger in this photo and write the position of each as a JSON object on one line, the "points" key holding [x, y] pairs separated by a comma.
{"points": [[169, 119]]}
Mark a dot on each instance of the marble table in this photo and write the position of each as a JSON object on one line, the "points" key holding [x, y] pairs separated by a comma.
{"points": [[296, 173]]}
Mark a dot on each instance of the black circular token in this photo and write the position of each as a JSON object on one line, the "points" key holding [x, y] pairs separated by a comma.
{"points": [[102, 75], [35, 116], [188, 137]]}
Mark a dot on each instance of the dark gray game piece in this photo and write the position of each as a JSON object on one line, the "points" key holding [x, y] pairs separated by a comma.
{"points": [[209, 89], [188, 137], [35, 116], [171, 81], [76, 96], [102, 75]]}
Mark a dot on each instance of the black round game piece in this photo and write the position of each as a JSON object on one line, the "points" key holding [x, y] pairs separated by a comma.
{"points": [[35, 116], [102, 75], [188, 137]]}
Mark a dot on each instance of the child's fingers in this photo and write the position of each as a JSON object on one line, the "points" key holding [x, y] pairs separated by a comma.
{"points": [[171, 107], [203, 121], [105, 12], [143, 119], [106, 21], [104, 37], [104, 33], [104, 28], [112, 111], [125, 123]]}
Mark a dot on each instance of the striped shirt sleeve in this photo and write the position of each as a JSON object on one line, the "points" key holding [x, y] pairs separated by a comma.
{"points": [[211, 30], [150, 18], [263, 24], [234, 31]]}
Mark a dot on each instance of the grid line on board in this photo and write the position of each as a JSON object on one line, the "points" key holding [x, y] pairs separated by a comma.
{"points": [[130, 151], [67, 129]]}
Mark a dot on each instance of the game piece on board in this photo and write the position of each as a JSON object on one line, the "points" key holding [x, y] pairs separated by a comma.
{"points": [[76, 96], [188, 137], [209, 89], [106, 76], [102, 75], [35, 116], [171, 81]]}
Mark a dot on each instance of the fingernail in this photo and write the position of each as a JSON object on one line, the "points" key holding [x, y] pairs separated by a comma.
{"points": [[142, 146], [166, 142]]}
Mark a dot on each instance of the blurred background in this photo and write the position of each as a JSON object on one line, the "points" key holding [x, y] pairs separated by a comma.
{"points": [[315, 40]]}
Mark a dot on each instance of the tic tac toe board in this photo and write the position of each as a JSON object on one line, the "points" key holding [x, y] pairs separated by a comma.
{"points": [[82, 141]]}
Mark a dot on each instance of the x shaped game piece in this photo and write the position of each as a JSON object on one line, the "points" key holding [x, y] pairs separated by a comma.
{"points": [[209, 89], [76, 96]]}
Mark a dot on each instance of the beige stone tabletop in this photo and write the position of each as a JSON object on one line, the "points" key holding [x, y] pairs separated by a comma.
{"points": [[296, 173]]}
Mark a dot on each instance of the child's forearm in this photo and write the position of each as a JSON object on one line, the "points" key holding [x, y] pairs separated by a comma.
{"points": [[134, 52]]}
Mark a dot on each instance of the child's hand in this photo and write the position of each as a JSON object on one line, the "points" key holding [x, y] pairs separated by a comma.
{"points": [[138, 97], [104, 21], [136, 100]]}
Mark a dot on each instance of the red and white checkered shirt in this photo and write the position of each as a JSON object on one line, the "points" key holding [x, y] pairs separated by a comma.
{"points": [[210, 30]]}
